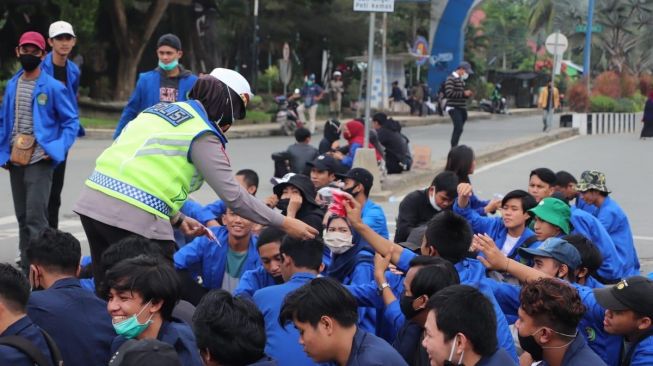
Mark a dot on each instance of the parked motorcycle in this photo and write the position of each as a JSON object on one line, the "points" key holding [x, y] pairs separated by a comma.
{"points": [[287, 115]]}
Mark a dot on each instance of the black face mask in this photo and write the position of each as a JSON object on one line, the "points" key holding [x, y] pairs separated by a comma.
{"points": [[351, 191], [528, 344], [29, 62], [278, 280], [283, 204], [406, 306]]}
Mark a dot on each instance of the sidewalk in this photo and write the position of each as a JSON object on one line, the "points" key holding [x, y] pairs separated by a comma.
{"points": [[274, 129]]}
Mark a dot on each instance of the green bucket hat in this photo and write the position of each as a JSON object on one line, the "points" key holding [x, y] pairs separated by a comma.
{"points": [[553, 211], [592, 179]]}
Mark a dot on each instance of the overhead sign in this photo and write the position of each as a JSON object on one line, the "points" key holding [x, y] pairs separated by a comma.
{"points": [[596, 28], [382, 6], [556, 43]]}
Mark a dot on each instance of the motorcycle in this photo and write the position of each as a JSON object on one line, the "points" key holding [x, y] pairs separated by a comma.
{"points": [[287, 115], [496, 106]]}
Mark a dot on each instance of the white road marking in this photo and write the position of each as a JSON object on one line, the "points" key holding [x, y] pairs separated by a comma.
{"points": [[7, 220], [521, 155], [650, 238]]}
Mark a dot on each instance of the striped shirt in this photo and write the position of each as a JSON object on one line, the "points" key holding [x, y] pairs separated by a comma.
{"points": [[454, 91], [24, 123]]}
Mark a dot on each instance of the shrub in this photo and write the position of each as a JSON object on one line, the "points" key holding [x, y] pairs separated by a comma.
{"points": [[607, 84], [645, 83], [578, 96], [625, 105], [601, 103], [629, 85]]}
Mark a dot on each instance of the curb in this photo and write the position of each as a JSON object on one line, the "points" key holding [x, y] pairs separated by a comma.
{"points": [[403, 183], [266, 130]]}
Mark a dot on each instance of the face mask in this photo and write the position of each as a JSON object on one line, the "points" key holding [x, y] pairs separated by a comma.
{"points": [[433, 203], [449, 362], [351, 191], [283, 204], [278, 280], [130, 328], [170, 66], [309, 83], [406, 306], [528, 344], [337, 242], [29, 62], [464, 77]]}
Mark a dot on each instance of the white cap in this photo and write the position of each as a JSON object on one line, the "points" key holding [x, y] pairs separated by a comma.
{"points": [[337, 73], [235, 81], [60, 27]]}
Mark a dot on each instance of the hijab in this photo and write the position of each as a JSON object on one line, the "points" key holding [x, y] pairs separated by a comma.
{"points": [[222, 104]]}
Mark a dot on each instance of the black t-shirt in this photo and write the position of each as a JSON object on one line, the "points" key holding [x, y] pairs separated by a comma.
{"points": [[60, 73]]}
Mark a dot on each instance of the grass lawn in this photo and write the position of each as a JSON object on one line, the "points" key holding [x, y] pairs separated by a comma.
{"points": [[253, 117]]}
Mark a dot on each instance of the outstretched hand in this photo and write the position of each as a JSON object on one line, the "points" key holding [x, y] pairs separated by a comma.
{"points": [[353, 208], [494, 259]]}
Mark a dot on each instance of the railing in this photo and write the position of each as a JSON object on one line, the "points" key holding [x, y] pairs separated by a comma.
{"points": [[605, 123]]}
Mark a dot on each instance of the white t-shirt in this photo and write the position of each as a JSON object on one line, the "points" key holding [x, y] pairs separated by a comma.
{"points": [[510, 243]]}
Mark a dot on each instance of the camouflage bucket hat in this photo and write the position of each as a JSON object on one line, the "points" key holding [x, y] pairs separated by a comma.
{"points": [[592, 179]]}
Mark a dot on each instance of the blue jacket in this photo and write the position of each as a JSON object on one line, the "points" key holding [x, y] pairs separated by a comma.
{"points": [[616, 223], [146, 94], [72, 82], [580, 203], [583, 223], [209, 259], [282, 344], [55, 118], [472, 272], [370, 350], [177, 334], [253, 280], [498, 358], [643, 353], [76, 319], [579, 353], [196, 211], [362, 273], [492, 226], [374, 217], [477, 204], [24, 328]]}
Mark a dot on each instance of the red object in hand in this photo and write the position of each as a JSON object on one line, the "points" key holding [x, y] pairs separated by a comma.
{"points": [[337, 207]]}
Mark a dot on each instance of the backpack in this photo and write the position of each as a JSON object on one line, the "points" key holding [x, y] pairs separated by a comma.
{"points": [[29, 349]]}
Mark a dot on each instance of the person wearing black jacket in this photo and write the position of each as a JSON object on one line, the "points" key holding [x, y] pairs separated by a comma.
{"points": [[419, 206], [331, 135], [297, 200], [395, 144]]}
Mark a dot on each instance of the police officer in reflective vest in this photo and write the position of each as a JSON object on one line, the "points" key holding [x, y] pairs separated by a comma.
{"points": [[141, 181]]}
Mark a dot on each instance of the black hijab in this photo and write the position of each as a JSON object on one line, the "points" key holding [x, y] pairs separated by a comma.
{"points": [[217, 99]]}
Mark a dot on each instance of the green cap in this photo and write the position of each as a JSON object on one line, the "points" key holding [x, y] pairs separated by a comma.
{"points": [[553, 211], [592, 179]]}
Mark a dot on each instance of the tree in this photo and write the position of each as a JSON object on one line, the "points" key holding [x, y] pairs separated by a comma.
{"points": [[504, 25]]}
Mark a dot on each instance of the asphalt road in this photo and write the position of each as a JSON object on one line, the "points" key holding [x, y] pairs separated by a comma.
{"points": [[618, 156]]}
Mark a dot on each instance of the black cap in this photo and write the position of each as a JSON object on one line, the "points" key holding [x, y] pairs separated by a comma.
{"points": [[303, 184], [169, 40], [414, 240], [148, 352], [325, 162], [634, 293], [362, 176]]}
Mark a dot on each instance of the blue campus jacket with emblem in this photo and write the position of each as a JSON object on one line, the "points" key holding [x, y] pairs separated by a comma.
{"points": [[252, 281], [282, 343], [578, 353], [209, 259], [179, 335], [492, 226], [472, 272], [146, 94], [643, 353], [612, 268], [72, 81], [76, 319], [374, 217], [616, 223], [55, 118], [368, 349], [25, 328]]}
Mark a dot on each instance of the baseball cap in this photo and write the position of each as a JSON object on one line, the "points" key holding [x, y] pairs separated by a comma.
{"points": [[324, 162], [592, 179], [147, 352], [466, 66], [60, 27], [553, 211], [284, 179], [414, 240], [362, 176], [169, 40], [557, 249], [633, 293], [33, 38]]}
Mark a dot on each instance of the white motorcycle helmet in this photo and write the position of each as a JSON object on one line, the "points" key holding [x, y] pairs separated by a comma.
{"points": [[236, 82]]}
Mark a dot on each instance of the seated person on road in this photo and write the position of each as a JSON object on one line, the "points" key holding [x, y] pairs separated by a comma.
{"points": [[297, 154], [323, 171], [269, 272], [462, 161], [567, 184], [358, 183], [541, 183], [329, 142], [354, 132], [397, 155], [296, 199], [552, 219]]}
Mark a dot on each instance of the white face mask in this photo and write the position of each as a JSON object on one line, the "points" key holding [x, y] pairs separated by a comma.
{"points": [[337, 242], [432, 202], [464, 76]]}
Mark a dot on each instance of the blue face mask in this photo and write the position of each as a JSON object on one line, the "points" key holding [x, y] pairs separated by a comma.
{"points": [[130, 328], [170, 66]]}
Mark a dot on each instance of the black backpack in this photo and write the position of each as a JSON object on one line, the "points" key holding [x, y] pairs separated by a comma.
{"points": [[28, 348]]}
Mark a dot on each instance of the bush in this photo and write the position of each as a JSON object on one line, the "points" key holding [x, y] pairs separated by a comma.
{"points": [[629, 85], [601, 103], [578, 96], [607, 84], [645, 84], [639, 101], [625, 105]]}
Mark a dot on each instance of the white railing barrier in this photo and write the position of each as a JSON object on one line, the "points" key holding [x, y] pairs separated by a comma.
{"points": [[605, 123]]}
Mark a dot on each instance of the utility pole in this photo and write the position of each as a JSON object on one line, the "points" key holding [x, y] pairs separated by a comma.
{"points": [[255, 46], [370, 76], [384, 67], [588, 44]]}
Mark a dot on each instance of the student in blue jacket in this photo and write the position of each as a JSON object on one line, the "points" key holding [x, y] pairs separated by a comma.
{"points": [[230, 331], [325, 315], [168, 82], [449, 236], [35, 105], [301, 262], [595, 192], [61, 38], [221, 264], [142, 292], [269, 272], [462, 161], [510, 231]]}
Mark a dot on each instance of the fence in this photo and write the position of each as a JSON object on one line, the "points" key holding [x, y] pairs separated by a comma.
{"points": [[605, 123]]}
